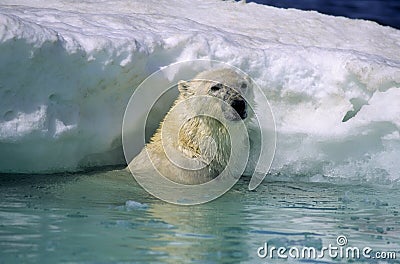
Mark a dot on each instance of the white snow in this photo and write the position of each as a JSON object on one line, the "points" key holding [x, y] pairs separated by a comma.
{"points": [[68, 68]]}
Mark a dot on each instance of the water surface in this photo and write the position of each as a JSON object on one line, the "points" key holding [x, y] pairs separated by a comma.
{"points": [[384, 12], [105, 217]]}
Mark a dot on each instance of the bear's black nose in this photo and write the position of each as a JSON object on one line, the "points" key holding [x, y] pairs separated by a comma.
{"points": [[240, 106]]}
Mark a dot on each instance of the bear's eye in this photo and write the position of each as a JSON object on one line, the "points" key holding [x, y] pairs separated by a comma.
{"points": [[215, 88], [243, 86]]}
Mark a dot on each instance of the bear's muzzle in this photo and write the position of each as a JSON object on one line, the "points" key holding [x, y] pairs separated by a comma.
{"points": [[236, 109]]}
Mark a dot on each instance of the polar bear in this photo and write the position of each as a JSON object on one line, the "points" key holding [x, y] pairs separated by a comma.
{"points": [[196, 138]]}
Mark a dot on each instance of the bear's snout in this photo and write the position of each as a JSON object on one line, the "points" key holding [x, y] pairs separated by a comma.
{"points": [[240, 107], [235, 109]]}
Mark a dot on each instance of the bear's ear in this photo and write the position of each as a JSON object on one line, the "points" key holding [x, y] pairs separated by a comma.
{"points": [[184, 88]]}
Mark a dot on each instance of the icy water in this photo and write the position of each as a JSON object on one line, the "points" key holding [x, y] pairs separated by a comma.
{"points": [[105, 217], [384, 12]]}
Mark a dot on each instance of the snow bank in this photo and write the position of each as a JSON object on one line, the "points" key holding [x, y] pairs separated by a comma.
{"points": [[68, 68]]}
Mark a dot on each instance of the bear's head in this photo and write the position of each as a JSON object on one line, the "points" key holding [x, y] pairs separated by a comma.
{"points": [[235, 89]]}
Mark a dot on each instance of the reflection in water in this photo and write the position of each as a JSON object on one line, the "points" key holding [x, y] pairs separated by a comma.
{"points": [[107, 217], [208, 232]]}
